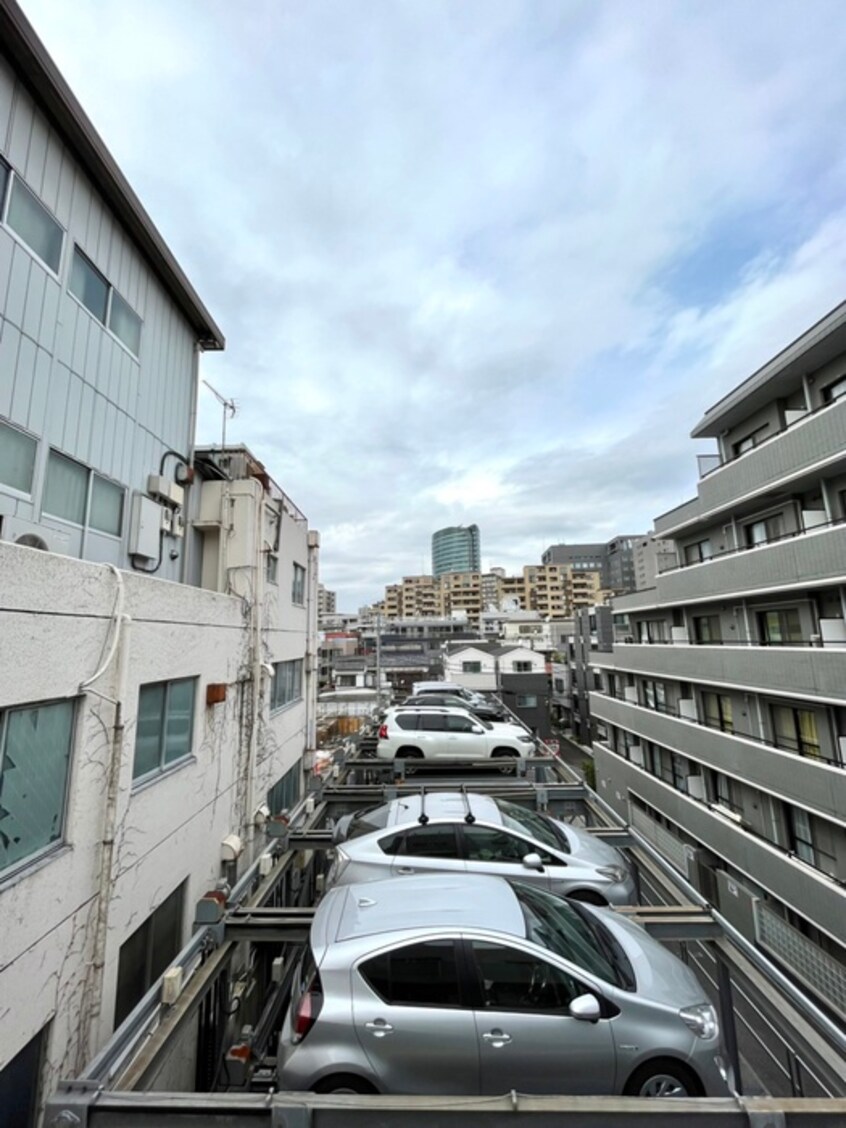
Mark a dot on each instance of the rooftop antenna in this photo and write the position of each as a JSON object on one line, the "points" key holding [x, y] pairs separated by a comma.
{"points": [[229, 409]]}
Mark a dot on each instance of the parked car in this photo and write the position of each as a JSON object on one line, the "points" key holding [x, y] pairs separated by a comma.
{"points": [[438, 732], [477, 985], [468, 695], [487, 711], [464, 832]]}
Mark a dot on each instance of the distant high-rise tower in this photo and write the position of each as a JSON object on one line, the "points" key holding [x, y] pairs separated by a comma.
{"points": [[456, 549]]}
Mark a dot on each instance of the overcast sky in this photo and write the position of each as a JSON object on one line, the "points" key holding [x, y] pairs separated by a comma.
{"points": [[475, 260]]}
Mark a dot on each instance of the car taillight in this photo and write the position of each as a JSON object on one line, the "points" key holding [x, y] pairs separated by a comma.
{"points": [[308, 1009], [383, 732]]}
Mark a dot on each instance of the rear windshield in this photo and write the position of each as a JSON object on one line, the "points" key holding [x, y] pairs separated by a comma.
{"points": [[560, 926]]}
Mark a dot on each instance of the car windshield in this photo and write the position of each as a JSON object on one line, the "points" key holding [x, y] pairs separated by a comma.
{"points": [[529, 822], [370, 819], [563, 927]]}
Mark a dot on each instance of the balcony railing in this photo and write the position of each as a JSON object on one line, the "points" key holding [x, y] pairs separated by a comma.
{"points": [[677, 714], [748, 547]]}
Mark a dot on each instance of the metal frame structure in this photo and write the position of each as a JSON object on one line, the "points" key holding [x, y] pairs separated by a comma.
{"points": [[187, 1015]]}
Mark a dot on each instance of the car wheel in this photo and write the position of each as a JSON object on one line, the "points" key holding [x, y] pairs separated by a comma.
{"points": [[663, 1078], [409, 754], [588, 896], [505, 754], [343, 1083]]}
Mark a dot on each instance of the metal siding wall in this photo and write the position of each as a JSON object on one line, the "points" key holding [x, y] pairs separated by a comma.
{"points": [[62, 375]]}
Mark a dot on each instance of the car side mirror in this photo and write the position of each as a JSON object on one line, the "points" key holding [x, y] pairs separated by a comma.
{"points": [[533, 862], [476, 729], [586, 1008]]}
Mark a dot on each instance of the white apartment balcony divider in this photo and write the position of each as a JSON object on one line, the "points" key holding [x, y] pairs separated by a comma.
{"points": [[662, 839], [808, 962]]}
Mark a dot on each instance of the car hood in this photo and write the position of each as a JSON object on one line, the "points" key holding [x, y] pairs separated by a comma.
{"points": [[588, 848], [660, 975]]}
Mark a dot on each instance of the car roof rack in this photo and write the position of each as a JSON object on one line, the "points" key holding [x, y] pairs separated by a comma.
{"points": [[469, 817], [423, 817]]}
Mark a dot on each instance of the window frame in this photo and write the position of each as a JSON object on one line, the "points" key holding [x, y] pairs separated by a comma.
{"points": [[56, 843], [471, 667], [389, 952], [164, 767], [111, 292], [297, 687], [12, 178], [90, 474], [7, 487], [298, 585]]}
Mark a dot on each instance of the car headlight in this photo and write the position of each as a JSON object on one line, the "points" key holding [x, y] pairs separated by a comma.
{"points": [[524, 736], [613, 873], [702, 1020]]}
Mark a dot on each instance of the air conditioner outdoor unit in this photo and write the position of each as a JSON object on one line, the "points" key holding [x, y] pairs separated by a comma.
{"points": [[29, 535]]}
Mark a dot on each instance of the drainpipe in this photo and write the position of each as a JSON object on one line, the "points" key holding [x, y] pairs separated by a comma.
{"points": [[313, 544], [258, 600], [192, 443], [119, 647]]}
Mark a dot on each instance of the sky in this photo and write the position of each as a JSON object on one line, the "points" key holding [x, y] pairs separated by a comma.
{"points": [[477, 261]]}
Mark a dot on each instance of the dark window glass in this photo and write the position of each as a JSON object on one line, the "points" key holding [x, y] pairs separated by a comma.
{"points": [[433, 722], [66, 489], [835, 390], [29, 219], [287, 684], [125, 323], [407, 721], [20, 1078], [89, 286], [706, 628], [780, 627], [488, 844], [286, 791], [35, 748], [424, 975], [298, 585], [430, 842], [147, 953], [459, 724], [518, 981], [796, 730]]}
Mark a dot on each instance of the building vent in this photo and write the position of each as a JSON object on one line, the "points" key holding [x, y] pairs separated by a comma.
{"points": [[33, 540]]}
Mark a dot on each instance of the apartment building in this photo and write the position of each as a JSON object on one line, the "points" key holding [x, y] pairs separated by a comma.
{"points": [[722, 721], [157, 602], [327, 601]]}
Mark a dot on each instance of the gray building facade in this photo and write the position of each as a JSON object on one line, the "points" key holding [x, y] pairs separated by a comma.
{"points": [[721, 723]]}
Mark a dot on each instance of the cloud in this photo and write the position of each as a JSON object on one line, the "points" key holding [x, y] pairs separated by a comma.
{"points": [[483, 261]]}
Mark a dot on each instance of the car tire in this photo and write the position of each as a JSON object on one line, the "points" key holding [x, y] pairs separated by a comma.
{"points": [[505, 754], [343, 1083], [409, 754], [588, 897], [663, 1078]]}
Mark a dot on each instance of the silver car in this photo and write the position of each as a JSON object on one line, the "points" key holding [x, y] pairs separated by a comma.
{"points": [[464, 832], [480, 985]]}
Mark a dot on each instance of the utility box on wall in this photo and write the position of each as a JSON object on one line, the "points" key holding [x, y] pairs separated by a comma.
{"points": [[145, 528]]}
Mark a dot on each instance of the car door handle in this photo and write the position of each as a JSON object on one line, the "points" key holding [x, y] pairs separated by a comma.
{"points": [[497, 1038], [379, 1028], [405, 869]]}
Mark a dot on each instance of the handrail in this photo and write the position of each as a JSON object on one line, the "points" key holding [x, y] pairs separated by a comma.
{"points": [[748, 547]]}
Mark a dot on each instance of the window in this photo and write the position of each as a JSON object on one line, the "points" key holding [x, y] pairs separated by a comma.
{"points": [[20, 1078], [725, 793], [716, 708], [76, 494], [514, 980], [165, 725], [835, 390], [147, 953], [653, 630], [298, 585], [102, 300], [35, 750], [696, 553], [17, 458], [527, 701], [286, 791], [31, 222], [427, 842], [271, 568], [748, 442], [287, 685], [796, 730], [778, 628], [522, 667], [763, 531], [419, 975], [488, 844], [471, 667], [655, 696], [706, 628]]}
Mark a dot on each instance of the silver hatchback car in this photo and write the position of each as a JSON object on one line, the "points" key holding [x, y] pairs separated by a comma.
{"points": [[480, 985], [464, 832]]}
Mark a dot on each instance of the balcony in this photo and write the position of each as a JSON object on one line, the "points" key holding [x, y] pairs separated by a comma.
{"points": [[813, 439], [808, 891], [808, 557], [812, 672], [800, 779]]}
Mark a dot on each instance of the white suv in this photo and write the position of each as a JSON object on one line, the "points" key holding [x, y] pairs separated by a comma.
{"points": [[423, 732]]}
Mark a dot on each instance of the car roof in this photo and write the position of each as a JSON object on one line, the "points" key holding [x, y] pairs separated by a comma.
{"points": [[448, 709], [443, 805], [423, 902]]}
